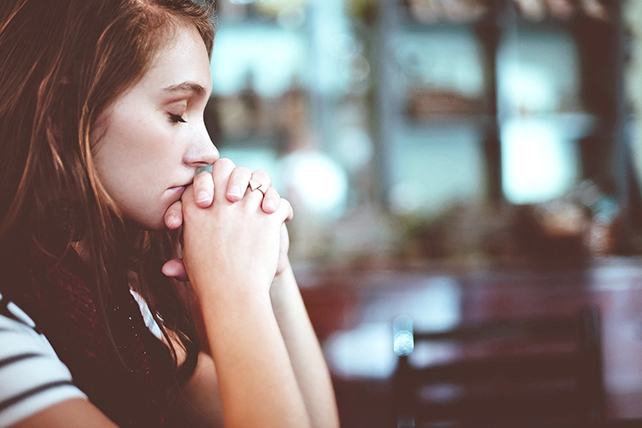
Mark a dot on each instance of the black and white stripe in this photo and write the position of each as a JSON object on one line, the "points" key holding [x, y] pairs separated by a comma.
{"points": [[32, 377]]}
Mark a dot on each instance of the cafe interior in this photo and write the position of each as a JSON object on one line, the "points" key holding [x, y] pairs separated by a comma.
{"points": [[465, 177]]}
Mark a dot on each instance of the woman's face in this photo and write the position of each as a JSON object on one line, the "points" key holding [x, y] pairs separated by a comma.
{"points": [[154, 138]]}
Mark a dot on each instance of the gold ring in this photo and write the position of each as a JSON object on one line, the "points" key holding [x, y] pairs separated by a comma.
{"points": [[255, 185]]}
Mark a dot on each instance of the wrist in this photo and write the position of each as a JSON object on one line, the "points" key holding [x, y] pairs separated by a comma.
{"points": [[223, 292], [282, 283], [284, 271], [283, 268]]}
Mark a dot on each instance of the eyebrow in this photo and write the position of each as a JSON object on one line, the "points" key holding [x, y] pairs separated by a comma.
{"points": [[189, 87]]}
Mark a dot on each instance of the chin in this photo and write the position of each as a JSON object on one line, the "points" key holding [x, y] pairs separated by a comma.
{"points": [[147, 218], [150, 223], [157, 225]]}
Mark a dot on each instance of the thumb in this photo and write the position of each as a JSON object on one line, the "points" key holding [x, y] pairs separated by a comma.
{"points": [[175, 268]]}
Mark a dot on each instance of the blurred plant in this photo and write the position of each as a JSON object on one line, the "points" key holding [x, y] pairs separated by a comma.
{"points": [[423, 238], [363, 10], [275, 7], [571, 229], [472, 232], [567, 231]]}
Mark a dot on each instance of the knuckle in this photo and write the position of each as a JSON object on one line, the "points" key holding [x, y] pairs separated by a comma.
{"points": [[243, 171], [202, 179], [224, 163], [222, 169], [262, 175], [272, 193]]}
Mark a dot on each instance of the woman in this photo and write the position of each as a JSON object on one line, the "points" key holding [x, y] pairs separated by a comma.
{"points": [[101, 137]]}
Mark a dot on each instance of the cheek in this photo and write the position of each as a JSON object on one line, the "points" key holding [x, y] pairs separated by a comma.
{"points": [[128, 168], [136, 139], [148, 150], [150, 143]]}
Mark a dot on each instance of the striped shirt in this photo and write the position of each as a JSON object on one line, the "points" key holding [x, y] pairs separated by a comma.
{"points": [[32, 377]]}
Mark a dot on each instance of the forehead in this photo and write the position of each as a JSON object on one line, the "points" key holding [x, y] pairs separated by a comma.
{"points": [[181, 58]]}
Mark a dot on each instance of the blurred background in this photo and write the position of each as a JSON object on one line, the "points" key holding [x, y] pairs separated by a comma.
{"points": [[452, 161]]}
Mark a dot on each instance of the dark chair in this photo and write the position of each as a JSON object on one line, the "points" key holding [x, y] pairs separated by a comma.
{"points": [[521, 373]]}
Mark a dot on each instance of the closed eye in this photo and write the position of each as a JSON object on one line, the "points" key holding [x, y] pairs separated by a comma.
{"points": [[175, 118]]}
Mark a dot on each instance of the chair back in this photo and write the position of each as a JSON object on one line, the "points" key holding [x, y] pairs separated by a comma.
{"points": [[525, 373]]}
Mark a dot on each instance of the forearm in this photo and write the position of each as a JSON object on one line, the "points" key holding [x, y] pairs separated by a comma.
{"points": [[304, 351], [256, 380]]}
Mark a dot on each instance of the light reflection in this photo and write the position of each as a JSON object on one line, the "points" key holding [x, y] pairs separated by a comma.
{"points": [[404, 341], [317, 181], [537, 163]]}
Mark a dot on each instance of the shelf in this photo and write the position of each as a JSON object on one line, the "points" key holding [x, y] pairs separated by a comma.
{"points": [[491, 18], [471, 80], [409, 20], [412, 26], [450, 121], [558, 24]]}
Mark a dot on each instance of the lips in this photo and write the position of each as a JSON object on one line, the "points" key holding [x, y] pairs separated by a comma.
{"points": [[189, 183], [178, 189]]}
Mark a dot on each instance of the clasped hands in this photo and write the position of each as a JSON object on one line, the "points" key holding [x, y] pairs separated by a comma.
{"points": [[227, 226]]}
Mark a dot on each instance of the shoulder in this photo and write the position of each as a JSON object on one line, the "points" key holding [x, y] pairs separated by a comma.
{"points": [[32, 377]]}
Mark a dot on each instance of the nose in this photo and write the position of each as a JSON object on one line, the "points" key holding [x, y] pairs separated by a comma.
{"points": [[201, 151]]}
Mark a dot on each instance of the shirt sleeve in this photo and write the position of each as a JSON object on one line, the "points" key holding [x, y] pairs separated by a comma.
{"points": [[32, 377]]}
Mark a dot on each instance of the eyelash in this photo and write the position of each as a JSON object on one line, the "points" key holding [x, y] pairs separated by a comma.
{"points": [[175, 118]]}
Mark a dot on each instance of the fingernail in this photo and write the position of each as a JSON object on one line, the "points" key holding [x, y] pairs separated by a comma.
{"points": [[234, 191], [270, 205], [172, 221], [202, 196]]}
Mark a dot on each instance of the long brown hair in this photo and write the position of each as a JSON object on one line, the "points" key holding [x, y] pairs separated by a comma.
{"points": [[62, 63]]}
